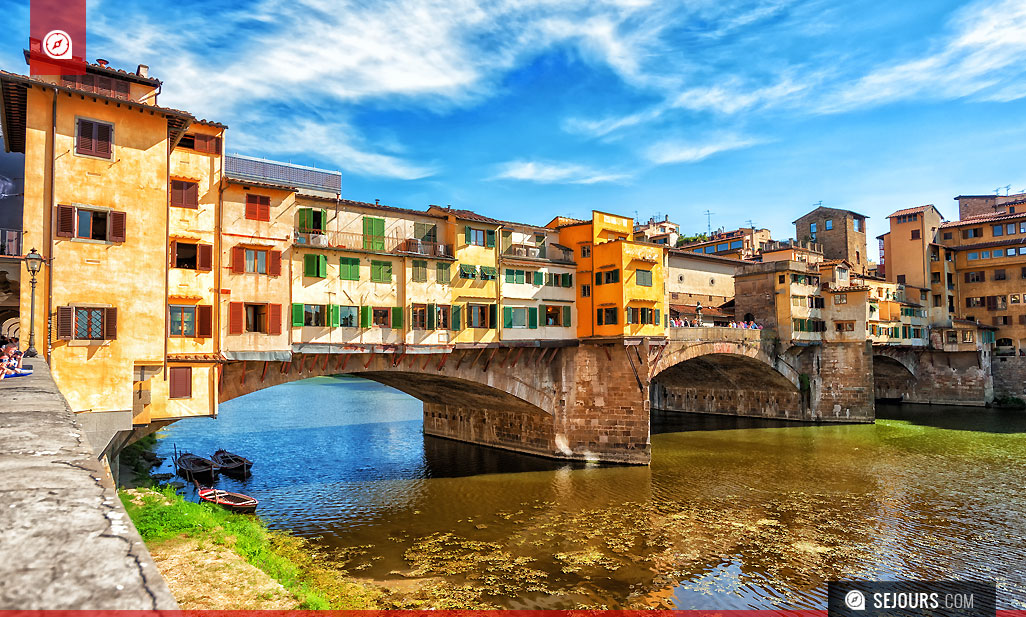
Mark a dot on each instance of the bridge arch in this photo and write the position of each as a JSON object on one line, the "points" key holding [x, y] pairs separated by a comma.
{"points": [[894, 376]]}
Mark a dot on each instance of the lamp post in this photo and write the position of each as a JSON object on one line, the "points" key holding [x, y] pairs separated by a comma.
{"points": [[34, 262]]}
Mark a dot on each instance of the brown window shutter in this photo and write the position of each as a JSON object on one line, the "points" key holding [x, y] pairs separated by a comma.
{"points": [[215, 146], [252, 206], [180, 382], [174, 253], [191, 197], [205, 257], [236, 317], [274, 319], [65, 322], [117, 226], [274, 263], [177, 193], [110, 324], [264, 211], [65, 221], [201, 143], [238, 260], [104, 85], [85, 142], [104, 136], [204, 321], [122, 90]]}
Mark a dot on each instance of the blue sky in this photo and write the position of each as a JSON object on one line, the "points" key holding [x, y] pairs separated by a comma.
{"points": [[525, 109]]}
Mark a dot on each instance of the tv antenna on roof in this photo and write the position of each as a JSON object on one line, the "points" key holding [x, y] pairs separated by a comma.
{"points": [[1007, 186], [819, 204], [708, 220], [750, 223]]}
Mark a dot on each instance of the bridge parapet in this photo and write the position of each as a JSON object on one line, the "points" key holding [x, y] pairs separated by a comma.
{"points": [[715, 334]]}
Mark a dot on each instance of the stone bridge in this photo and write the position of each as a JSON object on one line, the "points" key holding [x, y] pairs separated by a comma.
{"points": [[933, 376], [589, 399]]}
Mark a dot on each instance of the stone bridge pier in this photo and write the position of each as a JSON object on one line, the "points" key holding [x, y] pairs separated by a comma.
{"points": [[933, 376]]}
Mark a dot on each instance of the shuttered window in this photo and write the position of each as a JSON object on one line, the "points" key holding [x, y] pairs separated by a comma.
{"points": [[419, 274], [444, 276], [236, 317], [87, 323], [315, 265], [184, 194], [94, 138], [349, 268], [258, 207], [425, 232], [381, 271], [208, 143], [643, 278], [180, 382], [87, 224], [274, 319], [373, 233]]}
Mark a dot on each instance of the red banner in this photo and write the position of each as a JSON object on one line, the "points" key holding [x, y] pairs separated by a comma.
{"points": [[57, 37]]}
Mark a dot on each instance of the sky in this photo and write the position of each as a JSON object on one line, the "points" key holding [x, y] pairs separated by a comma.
{"points": [[753, 110]]}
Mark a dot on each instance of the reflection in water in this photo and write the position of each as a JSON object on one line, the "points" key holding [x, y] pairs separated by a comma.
{"points": [[758, 516]]}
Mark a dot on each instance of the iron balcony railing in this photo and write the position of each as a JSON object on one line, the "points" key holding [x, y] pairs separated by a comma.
{"points": [[551, 252], [380, 244], [298, 176], [10, 242]]}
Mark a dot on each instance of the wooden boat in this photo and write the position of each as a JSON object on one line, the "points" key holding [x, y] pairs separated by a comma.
{"points": [[194, 467], [236, 502], [232, 464]]}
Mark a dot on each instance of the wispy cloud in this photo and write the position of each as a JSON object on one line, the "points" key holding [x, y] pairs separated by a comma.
{"points": [[672, 151], [555, 173]]}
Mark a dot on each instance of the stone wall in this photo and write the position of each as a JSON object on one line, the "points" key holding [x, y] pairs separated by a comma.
{"points": [[952, 378], [1009, 376], [756, 403], [840, 382]]}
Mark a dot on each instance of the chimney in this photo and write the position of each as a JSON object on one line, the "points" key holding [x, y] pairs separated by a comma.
{"points": [[101, 62], [377, 202], [142, 71]]}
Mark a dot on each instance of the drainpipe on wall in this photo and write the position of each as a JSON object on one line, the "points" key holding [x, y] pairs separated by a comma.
{"points": [[218, 226], [49, 227]]}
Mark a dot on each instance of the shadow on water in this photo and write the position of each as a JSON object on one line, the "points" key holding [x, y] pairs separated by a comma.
{"points": [[956, 418], [664, 421], [446, 458]]}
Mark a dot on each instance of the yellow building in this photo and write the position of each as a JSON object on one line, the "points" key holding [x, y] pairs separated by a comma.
{"points": [[621, 282]]}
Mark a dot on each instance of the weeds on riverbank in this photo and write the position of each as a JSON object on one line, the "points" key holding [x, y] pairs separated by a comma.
{"points": [[161, 515]]}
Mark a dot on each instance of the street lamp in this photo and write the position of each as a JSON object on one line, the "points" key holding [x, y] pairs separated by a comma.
{"points": [[34, 262]]}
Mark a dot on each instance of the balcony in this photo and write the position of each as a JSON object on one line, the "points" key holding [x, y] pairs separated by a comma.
{"points": [[10, 242], [552, 252], [377, 244]]}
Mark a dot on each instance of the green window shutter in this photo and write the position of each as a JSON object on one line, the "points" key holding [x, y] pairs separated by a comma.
{"points": [[519, 276], [490, 242], [507, 317], [539, 278], [467, 234], [456, 317], [323, 223], [397, 317], [387, 272], [442, 273], [432, 317], [304, 219], [656, 320], [322, 266], [598, 317], [297, 315], [568, 280], [616, 276], [509, 275], [566, 316], [349, 268], [309, 264], [598, 278], [365, 316], [333, 313], [532, 318], [493, 315]]}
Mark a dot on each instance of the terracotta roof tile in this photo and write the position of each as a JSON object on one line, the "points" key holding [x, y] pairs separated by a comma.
{"points": [[910, 211]]}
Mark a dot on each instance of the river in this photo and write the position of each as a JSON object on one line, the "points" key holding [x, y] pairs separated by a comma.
{"points": [[732, 513]]}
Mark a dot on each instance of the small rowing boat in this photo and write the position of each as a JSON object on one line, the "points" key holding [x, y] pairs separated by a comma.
{"points": [[232, 464], [236, 502], [192, 467]]}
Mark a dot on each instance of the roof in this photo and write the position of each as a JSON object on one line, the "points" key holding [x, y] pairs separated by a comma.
{"points": [[99, 68], [987, 245], [835, 262], [265, 185], [828, 209], [13, 90], [983, 218], [363, 204], [564, 221], [470, 215], [915, 210], [709, 257], [206, 122]]}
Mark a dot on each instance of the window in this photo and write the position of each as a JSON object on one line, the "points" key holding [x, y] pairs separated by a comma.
{"points": [[314, 315], [585, 250], [94, 138], [856, 224], [258, 207], [347, 316], [643, 278], [488, 273], [468, 271], [812, 230], [829, 224], [607, 277], [86, 323], [373, 233], [1002, 320], [256, 261], [183, 320], [554, 316], [915, 234], [89, 224], [1009, 252], [478, 315], [419, 274], [256, 318], [975, 277], [381, 271], [180, 382], [200, 143], [973, 256], [844, 326], [1013, 299], [349, 268], [92, 225], [1010, 228], [606, 316], [442, 313], [585, 291], [975, 232], [947, 235], [901, 279], [952, 337], [723, 246], [840, 298], [1000, 275], [936, 300], [998, 230], [425, 232], [781, 278], [184, 194], [984, 254], [418, 317], [516, 317], [967, 336], [312, 220], [315, 265], [475, 237], [442, 274], [736, 244], [973, 302]]}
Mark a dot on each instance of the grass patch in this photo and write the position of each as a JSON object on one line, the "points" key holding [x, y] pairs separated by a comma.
{"points": [[161, 515]]}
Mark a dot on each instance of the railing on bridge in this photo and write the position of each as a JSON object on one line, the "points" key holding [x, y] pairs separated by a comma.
{"points": [[715, 333]]}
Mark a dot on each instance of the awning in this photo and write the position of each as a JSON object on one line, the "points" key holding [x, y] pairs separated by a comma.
{"points": [[468, 271]]}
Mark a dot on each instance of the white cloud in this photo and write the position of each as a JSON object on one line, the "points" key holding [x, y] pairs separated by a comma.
{"points": [[555, 173], [672, 151]]}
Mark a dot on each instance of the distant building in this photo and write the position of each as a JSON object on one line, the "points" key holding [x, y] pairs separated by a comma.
{"points": [[657, 231], [842, 233], [696, 278], [741, 243]]}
